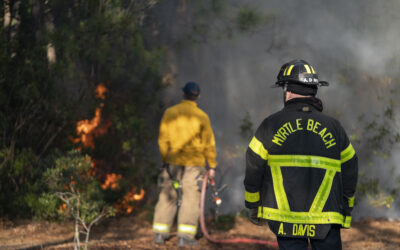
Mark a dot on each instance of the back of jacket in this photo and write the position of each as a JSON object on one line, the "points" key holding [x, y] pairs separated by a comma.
{"points": [[186, 137], [301, 171]]}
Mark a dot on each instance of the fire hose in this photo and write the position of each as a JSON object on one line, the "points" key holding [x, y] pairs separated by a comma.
{"points": [[224, 241]]}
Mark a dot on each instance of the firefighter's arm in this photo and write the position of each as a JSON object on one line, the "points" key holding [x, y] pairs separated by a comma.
{"points": [[209, 144], [256, 160], [163, 138], [349, 168]]}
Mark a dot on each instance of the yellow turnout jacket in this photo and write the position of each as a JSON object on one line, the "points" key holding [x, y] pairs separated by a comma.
{"points": [[186, 137]]}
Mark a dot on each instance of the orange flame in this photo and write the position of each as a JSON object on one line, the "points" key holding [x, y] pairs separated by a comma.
{"points": [[62, 207], [100, 91], [88, 129], [111, 181], [124, 206]]}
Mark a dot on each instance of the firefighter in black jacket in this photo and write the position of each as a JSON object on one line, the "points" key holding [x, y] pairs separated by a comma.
{"points": [[301, 169]]}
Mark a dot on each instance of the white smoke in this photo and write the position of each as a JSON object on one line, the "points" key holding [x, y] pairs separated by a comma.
{"points": [[235, 72]]}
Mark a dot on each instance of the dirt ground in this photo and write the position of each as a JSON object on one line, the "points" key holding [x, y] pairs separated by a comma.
{"points": [[135, 233]]}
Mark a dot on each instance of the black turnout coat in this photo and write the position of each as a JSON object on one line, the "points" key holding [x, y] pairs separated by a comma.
{"points": [[301, 171]]}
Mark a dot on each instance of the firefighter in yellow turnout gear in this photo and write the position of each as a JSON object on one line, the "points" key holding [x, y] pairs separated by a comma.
{"points": [[186, 141], [301, 169]]}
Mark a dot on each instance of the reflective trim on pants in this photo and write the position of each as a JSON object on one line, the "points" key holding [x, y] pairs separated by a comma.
{"points": [[161, 228], [187, 229]]}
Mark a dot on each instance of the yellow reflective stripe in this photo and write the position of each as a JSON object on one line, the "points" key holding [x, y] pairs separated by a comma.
{"points": [[304, 161], [163, 228], [279, 190], [304, 217], [351, 201], [307, 68], [251, 197], [323, 192], [347, 154], [260, 212], [312, 69], [347, 222], [258, 148], [284, 72], [189, 229], [290, 70]]}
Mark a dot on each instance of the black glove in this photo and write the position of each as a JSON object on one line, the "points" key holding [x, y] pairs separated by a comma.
{"points": [[253, 217], [164, 165]]}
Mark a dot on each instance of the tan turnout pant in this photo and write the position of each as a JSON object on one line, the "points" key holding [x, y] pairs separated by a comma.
{"points": [[189, 210]]}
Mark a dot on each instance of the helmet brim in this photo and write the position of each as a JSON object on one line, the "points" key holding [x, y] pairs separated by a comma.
{"points": [[279, 84], [276, 85], [323, 83]]}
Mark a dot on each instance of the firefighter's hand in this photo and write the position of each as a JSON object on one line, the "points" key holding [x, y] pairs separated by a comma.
{"points": [[211, 173], [164, 165], [253, 217]]}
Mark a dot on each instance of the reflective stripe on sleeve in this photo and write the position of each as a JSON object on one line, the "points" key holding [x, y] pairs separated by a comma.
{"points": [[162, 228], [304, 217], [187, 229], [347, 154], [258, 148], [251, 197], [304, 161], [347, 222], [351, 201]]}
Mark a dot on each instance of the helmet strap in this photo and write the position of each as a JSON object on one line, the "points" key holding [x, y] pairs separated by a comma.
{"points": [[284, 92]]}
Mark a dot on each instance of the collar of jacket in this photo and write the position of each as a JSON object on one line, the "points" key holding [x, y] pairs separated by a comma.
{"points": [[189, 102], [299, 103]]}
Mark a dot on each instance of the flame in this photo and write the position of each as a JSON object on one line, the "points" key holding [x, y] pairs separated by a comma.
{"points": [[86, 129], [63, 209], [111, 181], [132, 196], [124, 206], [100, 91]]}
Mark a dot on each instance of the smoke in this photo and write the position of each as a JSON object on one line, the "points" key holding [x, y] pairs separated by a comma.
{"points": [[351, 44]]}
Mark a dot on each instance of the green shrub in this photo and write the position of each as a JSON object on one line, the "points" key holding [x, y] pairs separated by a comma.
{"points": [[79, 192]]}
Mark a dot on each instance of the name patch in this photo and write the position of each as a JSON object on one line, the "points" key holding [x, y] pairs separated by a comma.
{"points": [[296, 230]]}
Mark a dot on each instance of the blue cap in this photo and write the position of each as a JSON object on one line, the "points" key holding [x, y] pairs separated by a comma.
{"points": [[191, 89]]}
